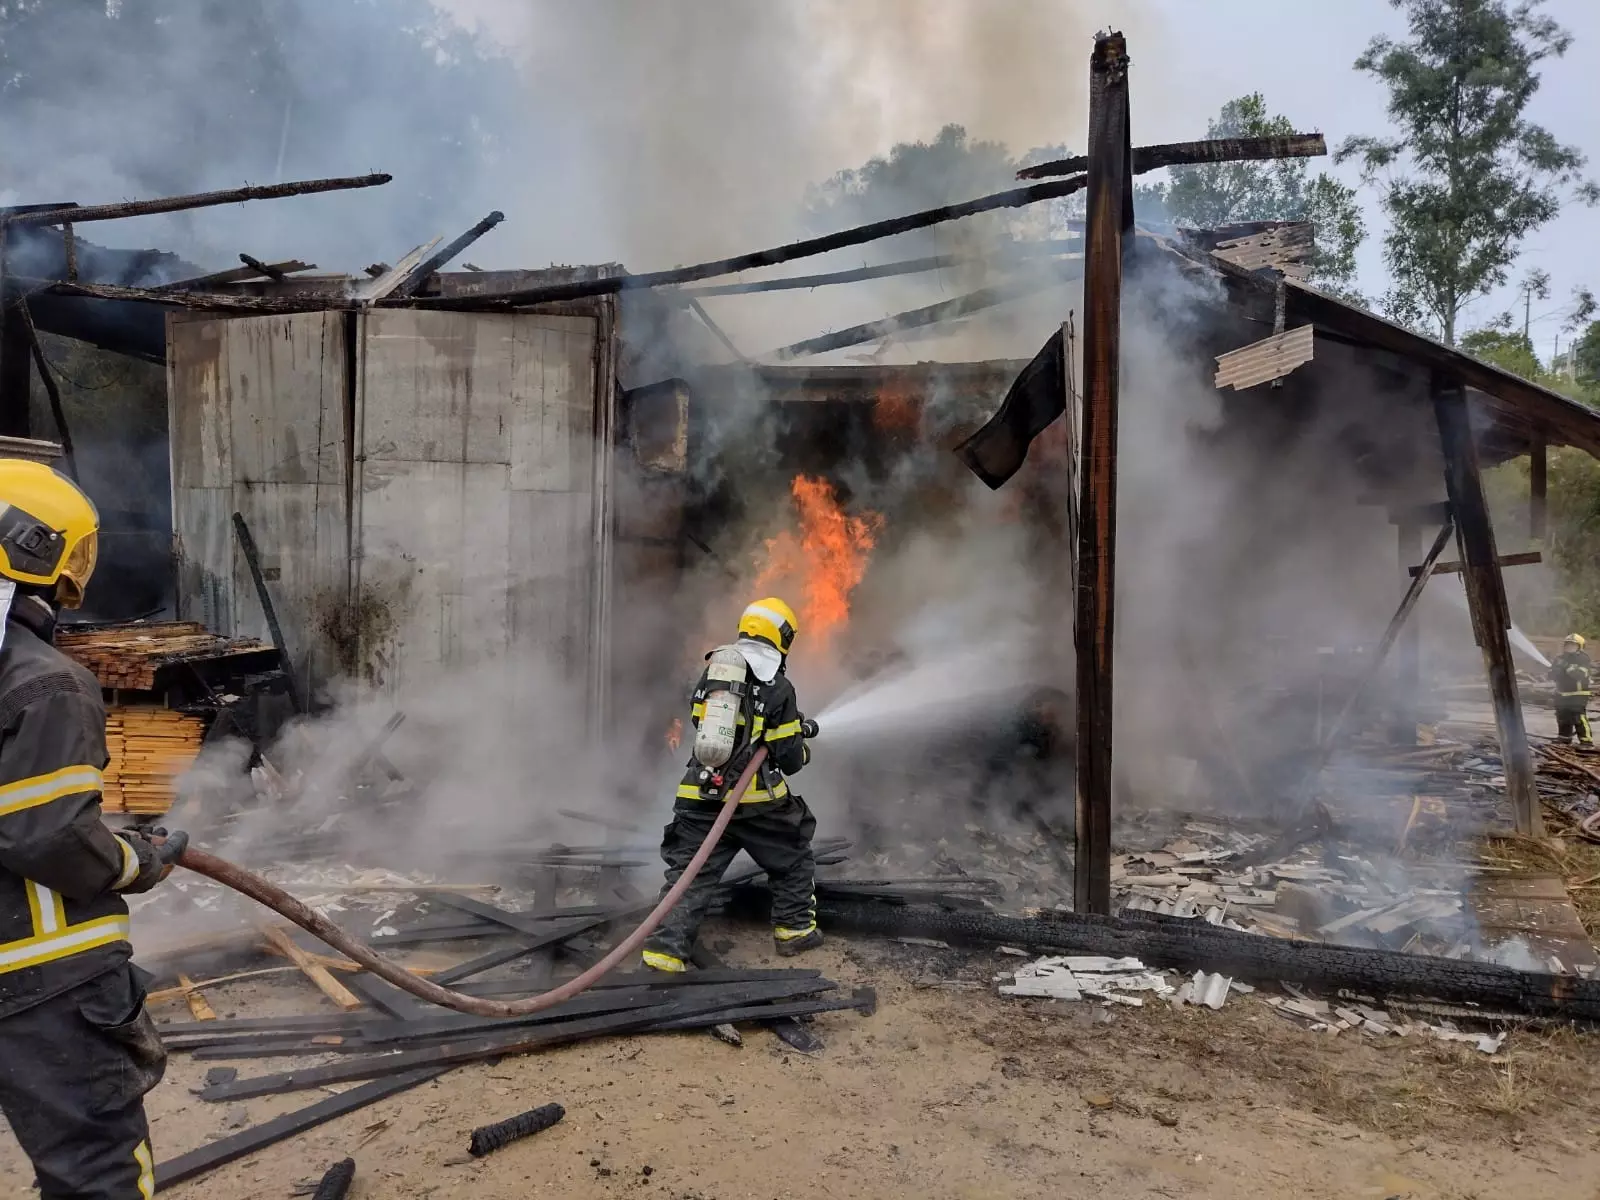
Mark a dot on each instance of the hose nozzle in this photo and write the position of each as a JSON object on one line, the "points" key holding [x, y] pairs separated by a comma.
{"points": [[808, 728]]}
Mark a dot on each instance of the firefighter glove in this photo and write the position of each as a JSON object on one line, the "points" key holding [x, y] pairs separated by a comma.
{"points": [[154, 852]]}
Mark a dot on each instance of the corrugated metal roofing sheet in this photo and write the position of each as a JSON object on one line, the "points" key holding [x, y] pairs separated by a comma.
{"points": [[1270, 358]]}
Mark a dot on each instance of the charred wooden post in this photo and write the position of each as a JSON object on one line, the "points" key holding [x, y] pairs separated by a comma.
{"points": [[1408, 650], [1486, 595], [1538, 489], [69, 459], [1104, 243]]}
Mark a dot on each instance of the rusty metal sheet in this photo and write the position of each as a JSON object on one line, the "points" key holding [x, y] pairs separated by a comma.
{"points": [[1271, 358], [1287, 248]]}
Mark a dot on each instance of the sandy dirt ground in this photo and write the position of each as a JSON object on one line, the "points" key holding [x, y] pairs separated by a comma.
{"points": [[947, 1093]]}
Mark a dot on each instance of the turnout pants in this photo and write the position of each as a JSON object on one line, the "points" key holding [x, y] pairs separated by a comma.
{"points": [[74, 1071], [1572, 718], [776, 833]]}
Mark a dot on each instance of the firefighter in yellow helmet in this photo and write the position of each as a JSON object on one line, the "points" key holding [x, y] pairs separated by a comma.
{"points": [[744, 700], [1571, 672], [78, 1052]]}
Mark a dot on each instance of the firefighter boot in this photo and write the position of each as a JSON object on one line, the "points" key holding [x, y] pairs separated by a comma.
{"points": [[790, 942]]}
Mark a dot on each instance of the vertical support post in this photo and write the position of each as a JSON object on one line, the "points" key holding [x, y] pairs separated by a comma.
{"points": [[16, 349], [1074, 448], [1538, 487], [1408, 650], [1486, 596], [1110, 217]]}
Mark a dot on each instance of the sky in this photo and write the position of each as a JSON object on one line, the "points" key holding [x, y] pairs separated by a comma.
{"points": [[896, 70]]}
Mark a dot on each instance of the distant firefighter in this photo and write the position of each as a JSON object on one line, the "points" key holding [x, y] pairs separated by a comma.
{"points": [[1572, 671]]}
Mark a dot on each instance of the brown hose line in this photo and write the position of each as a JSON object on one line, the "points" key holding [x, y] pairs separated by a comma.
{"points": [[250, 884]]}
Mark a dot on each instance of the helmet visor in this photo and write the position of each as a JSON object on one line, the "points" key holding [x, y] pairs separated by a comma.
{"points": [[77, 570]]}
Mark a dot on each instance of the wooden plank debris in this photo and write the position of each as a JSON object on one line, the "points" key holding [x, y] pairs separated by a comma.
{"points": [[1286, 249], [1269, 359], [197, 1003], [314, 971]]}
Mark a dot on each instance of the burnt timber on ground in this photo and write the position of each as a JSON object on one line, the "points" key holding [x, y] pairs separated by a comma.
{"points": [[1194, 945]]}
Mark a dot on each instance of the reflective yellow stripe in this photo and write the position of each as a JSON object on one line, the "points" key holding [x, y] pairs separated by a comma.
{"points": [[755, 730], [30, 952], [658, 961], [789, 935], [792, 729], [147, 1170], [757, 795], [699, 709], [130, 865], [41, 789], [45, 907]]}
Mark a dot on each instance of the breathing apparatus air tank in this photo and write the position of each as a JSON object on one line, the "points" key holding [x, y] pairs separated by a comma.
{"points": [[719, 725]]}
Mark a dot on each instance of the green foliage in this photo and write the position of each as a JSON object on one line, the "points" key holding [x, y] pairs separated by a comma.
{"points": [[1509, 350], [1466, 177], [1587, 355], [1283, 190]]}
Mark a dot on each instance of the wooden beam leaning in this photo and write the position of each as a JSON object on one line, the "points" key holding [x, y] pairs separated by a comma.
{"points": [[1189, 154], [1486, 595], [1408, 650], [1097, 514]]}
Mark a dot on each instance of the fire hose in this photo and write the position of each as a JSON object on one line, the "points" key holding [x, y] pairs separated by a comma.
{"points": [[254, 886]]}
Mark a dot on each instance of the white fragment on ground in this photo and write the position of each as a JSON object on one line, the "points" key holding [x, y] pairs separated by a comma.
{"points": [[1072, 977], [1208, 990]]}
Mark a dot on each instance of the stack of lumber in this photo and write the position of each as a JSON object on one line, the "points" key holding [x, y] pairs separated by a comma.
{"points": [[149, 749], [128, 656]]}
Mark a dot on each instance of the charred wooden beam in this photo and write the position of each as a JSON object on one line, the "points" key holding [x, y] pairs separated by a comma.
{"points": [[488, 1138], [909, 266], [1486, 595], [179, 298], [1397, 622], [247, 546], [143, 208], [1408, 651], [419, 274], [1105, 243], [276, 270], [261, 268], [1525, 559], [336, 1181], [58, 412], [932, 314], [862, 234], [16, 382], [1538, 490], [1190, 154], [1191, 945]]}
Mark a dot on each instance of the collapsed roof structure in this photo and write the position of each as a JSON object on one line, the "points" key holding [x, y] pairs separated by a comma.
{"points": [[406, 381]]}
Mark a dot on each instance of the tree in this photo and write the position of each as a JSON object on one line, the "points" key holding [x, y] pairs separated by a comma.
{"points": [[1507, 349], [1586, 356], [1281, 190], [1466, 177]]}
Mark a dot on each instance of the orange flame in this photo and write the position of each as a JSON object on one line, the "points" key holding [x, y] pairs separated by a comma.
{"points": [[675, 734], [826, 561]]}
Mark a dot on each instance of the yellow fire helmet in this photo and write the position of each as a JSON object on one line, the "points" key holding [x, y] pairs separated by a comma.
{"points": [[49, 530], [1575, 640], [772, 621]]}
